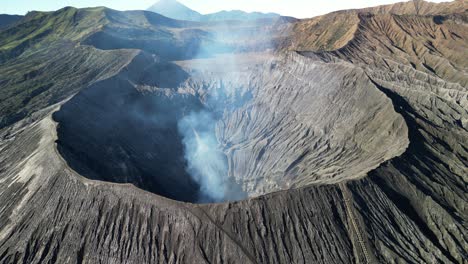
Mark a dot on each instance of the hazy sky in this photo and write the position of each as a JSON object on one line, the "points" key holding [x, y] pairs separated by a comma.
{"points": [[296, 8]]}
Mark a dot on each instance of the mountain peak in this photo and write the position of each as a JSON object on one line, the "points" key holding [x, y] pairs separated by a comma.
{"points": [[174, 9]]}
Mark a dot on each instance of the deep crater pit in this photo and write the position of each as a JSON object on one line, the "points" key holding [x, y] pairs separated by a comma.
{"points": [[205, 130]]}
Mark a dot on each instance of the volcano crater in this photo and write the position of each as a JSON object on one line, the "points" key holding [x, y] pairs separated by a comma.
{"points": [[278, 123]]}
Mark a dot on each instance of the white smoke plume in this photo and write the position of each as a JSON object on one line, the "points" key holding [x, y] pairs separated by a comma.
{"points": [[207, 164]]}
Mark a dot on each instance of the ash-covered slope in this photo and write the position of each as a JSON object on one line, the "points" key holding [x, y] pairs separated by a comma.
{"points": [[418, 62], [333, 31], [357, 154]]}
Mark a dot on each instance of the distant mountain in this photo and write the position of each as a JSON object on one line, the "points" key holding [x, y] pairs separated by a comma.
{"points": [[6, 20], [174, 9], [237, 15]]}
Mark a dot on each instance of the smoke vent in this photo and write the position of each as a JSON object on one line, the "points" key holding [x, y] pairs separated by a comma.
{"points": [[231, 127]]}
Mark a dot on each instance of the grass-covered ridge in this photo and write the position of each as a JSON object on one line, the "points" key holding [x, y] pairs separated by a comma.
{"points": [[45, 27], [42, 61], [48, 56]]}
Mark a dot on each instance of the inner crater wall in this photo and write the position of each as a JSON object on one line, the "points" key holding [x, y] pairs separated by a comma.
{"points": [[279, 122]]}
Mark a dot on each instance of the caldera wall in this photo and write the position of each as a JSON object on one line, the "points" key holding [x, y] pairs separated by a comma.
{"points": [[281, 122]]}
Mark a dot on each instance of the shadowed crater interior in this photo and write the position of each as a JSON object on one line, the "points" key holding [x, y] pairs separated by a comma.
{"points": [[228, 128]]}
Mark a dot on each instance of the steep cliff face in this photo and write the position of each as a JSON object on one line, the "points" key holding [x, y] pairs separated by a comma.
{"points": [[354, 155], [304, 122]]}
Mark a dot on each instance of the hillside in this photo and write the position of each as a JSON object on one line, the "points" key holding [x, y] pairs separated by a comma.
{"points": [[6, 20], [335, 30]]}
